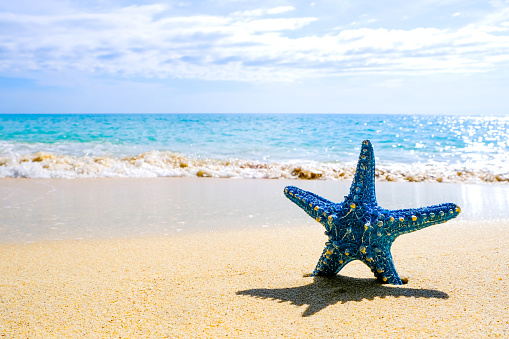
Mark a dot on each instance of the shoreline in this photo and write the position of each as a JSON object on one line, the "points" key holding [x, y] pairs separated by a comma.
{"points": [[51, 209], [161, 164]]}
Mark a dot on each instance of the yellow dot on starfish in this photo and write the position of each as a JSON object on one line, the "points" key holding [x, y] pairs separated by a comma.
{"points": [[362, 249], [317, 208], [341, 261], [346, 253], [379, 270], [286, 190], [330, 217], [318, 219], [384, 278], [401, 219], [310, 205], [329, 252], [458, 209], [369, 259], [352, 206], [414, 218], [366, 227], [391, 219]]}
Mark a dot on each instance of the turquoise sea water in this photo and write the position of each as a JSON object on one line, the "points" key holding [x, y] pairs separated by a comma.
{"points": [[408, 148]]}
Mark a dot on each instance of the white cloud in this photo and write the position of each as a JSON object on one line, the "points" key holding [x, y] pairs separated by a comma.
{"points": [[248, 13], [264, 11], [280, 9], [272, 25], [253, 46]]}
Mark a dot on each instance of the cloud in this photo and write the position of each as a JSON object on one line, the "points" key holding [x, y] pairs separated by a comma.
{"points": [[280, 9], [264, 11], [253, 46]]}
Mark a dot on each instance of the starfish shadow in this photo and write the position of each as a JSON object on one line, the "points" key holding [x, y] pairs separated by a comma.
{"points": [[326, 291]]}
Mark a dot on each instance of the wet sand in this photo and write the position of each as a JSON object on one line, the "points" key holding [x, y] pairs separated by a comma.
{"points": [[241, 281], [59, 209]]}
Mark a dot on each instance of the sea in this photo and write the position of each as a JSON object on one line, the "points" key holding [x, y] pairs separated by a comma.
{"points": [[416, 148]]}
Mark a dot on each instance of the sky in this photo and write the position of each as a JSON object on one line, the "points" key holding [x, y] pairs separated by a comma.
{"points": [[255, 56]]}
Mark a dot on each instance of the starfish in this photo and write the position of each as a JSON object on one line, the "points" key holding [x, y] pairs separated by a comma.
{"points": [[359, 229]]}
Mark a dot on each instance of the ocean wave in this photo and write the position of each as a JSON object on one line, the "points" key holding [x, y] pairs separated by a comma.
{"points": [[170, 164]]}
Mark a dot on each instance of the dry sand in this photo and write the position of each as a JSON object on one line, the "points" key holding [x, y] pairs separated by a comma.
{"points": [[252, 283]]}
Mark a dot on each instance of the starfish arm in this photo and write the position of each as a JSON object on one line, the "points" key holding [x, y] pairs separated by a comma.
{"points": [[317, 207], [332, 260], [402, 221], [383, 268], [363, 184]]}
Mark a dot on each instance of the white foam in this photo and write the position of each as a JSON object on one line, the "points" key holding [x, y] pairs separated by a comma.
{"points": [[169, 164]]}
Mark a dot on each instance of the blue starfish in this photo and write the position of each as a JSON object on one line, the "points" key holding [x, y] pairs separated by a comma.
{"points": [[359, 229]]}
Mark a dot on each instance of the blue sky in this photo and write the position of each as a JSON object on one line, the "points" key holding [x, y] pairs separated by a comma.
{"points": [[239, 56]]}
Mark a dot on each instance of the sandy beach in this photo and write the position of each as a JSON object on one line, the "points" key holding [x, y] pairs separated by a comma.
{"points": [[248, 281]]}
